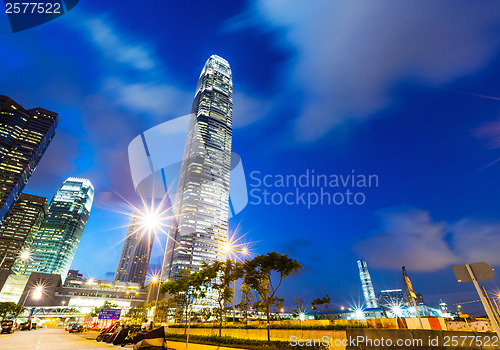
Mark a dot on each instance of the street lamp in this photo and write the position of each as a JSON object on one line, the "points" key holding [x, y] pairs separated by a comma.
{"points": [[90, 282], [37, 294], [160, 281], [24, 255], [244, 251]]}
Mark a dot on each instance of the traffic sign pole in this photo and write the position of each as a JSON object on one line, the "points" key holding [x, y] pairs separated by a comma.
{"points": [[483, 300]]}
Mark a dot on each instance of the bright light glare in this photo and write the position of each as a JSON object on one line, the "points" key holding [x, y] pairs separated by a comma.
{"points": [[38, 293], [151, 221], [359, 313], [244, 251], [25, 255], [226, 247], [302, 316], [90, 281], [396, 310], [154, 279]]}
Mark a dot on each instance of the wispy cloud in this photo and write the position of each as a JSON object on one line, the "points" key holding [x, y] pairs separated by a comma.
{"points": [[350, 57], [119, 48], [409, 236]]}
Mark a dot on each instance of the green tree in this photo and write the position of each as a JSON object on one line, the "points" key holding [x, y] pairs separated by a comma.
{"points": [[278, 306], [259, 273], [106, 305], [218, 277], [299, 308], [138, 313], [187, 286], [166, 308], [322, 304], [205, 314], [246, 299], [9, 309]]}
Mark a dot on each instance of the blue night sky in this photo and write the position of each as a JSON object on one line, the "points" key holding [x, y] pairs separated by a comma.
{"points": [[407, 91]]}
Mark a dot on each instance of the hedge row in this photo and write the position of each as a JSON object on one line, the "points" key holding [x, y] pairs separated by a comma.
{"points": [[251, 344]]}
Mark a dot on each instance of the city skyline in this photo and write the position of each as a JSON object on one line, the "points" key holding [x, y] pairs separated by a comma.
{"points": [[416, 106]]}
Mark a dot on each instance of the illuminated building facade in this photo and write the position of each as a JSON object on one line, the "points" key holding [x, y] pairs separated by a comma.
{"points": [[19, 229], [134, 259], [24, 137], [201, 204], [55, 245], [367, 285], [391, 297]]}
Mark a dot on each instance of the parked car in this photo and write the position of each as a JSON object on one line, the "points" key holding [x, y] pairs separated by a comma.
{"points": [[33, 326], [7, 326], [76, 327], [26, 326], [69, 326]]}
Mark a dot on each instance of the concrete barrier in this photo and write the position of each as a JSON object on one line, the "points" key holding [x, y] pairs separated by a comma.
{"points": [[420, 339]]}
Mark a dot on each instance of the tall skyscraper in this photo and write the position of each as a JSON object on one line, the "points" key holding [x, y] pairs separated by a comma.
{"points": [[55, 244], [201, 204], [24, 137], [367, 285], [19, 229], [134, 260]]}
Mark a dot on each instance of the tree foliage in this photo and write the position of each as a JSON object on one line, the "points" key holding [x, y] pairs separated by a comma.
{"points": [[9, 309], [259, 273], [217, 278], [246, 299], [187, 286], [321, 304], [107, 305]]}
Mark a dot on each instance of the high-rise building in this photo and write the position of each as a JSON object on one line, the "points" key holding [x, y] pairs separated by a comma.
{"points": [[24, 137], [19, 229], [55, 244], [201, 203], [367, 285], [391, 298], [134, 260]]}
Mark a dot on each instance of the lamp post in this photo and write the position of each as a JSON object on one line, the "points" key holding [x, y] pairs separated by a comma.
{"points": [[24, 255], [37, 294], [160, 281], [227, 248]]}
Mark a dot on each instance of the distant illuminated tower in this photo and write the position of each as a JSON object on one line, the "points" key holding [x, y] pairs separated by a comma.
{"points": [[55, 244], [202, 197], [136, 251], [366, 284], [19, 229], [24, 137]]}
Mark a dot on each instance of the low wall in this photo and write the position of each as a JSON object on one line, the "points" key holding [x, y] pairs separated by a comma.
{"points": [[475, 326], [418, 339]]}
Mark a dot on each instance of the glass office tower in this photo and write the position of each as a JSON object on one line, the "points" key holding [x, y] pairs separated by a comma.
{"points": [[136, 251], [19, 229], [201, 204], [24, 137], [367, 285], [55, 244]]}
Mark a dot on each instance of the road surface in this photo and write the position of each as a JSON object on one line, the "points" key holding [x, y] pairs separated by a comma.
{"points": [[58, 339]]}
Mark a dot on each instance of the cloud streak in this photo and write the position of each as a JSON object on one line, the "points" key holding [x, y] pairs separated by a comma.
{"points": [[350, 57], [410, 237]]}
